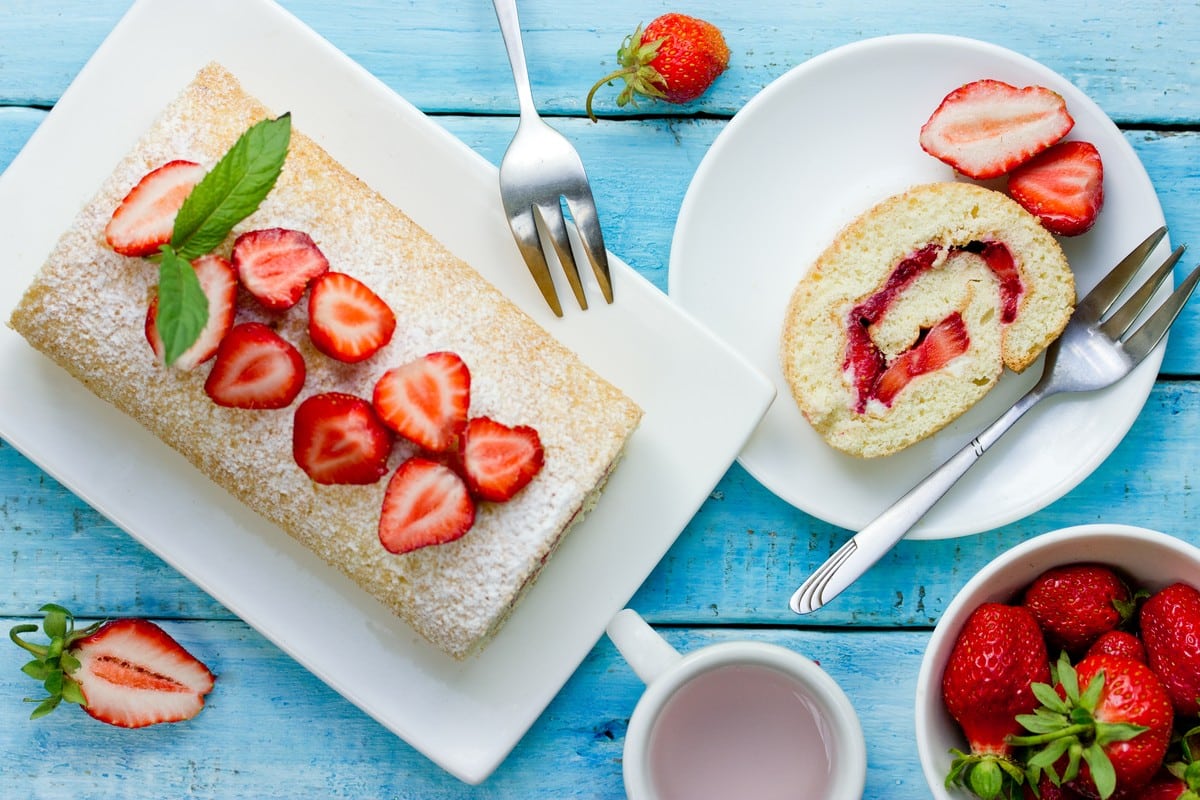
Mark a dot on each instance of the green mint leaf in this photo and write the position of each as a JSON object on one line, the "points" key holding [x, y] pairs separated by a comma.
{"points": [[182, 305], [232, 189]]}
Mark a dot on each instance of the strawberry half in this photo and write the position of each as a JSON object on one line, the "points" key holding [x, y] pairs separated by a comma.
{"points": [[987, 127], [255, 368], [1063, 187], [338, 438], [426, 400], [219, 282], [499, 461], [145, 219], [276, 264], [133, 674], [425, 503], [346, 320], [127, 672]]}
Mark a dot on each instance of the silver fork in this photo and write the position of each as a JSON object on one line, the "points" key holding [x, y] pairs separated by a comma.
{"points": [[539, 169], [1093, 351]]}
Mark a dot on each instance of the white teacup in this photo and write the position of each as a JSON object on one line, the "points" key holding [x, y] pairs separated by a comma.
{"points": [[736, 719]]}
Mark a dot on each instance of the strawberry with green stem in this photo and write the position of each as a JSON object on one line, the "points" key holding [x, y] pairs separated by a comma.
{"points": [[675, 58], [126, 672]]}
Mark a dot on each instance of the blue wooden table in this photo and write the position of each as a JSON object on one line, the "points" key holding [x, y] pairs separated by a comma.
{"points": [[271, 728]]}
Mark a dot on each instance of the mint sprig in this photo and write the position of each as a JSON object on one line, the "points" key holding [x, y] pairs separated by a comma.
{"points": [[231, 191]]}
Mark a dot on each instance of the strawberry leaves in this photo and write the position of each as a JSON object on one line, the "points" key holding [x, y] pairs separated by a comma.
{"points": [[53, 663]]}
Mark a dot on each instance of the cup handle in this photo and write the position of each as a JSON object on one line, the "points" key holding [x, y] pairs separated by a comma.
{"points": [[648, 653]]}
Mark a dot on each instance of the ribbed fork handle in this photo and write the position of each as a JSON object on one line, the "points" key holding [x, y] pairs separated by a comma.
{"points": [[869, 545], [510, 29]]}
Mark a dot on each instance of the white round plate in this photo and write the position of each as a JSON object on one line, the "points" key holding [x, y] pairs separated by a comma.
{"points": [[804, 157]]}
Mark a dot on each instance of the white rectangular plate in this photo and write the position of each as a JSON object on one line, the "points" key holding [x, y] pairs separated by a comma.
{"points": [[701, 401]]}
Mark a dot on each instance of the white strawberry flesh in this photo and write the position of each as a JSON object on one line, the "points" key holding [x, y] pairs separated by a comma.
{"points": [[145, 219], [133, 674], [987, 127], [219, 282], [276, 264]]}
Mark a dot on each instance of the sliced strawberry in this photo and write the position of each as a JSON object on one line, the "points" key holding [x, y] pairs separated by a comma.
{"points": [[1063, 187], [425, 503], [276, 264], [133, 674], [988, 127], [144, 220], [426, 400], [346, 320], [338, 438], [255, 368], [941, 344], [219, 282], [499, 461]]}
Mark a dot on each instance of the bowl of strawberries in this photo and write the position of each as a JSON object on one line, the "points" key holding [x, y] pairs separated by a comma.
{"points": [[1068, 667]]}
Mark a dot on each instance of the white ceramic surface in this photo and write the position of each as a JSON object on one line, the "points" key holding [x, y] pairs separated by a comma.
{"points": [[665, 671], [1152, 560], [805, 156], [465, 716]]}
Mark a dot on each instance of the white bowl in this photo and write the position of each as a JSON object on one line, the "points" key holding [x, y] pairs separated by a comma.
{"points": [[1151, 559]]}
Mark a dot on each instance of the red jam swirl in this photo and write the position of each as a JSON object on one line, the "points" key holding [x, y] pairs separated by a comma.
{"points": [[875, 378]]}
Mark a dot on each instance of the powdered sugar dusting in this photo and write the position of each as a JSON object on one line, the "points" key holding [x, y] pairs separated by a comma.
{"points": [[86, 309]]}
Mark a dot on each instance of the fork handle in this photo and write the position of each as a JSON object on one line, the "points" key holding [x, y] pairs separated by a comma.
{"points": [[878, 537], [510, 29]]}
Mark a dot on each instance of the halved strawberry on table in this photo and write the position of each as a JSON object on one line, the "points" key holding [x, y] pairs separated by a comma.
{"points": [[426, 503], [126, 672], [426, 400], [498, 460], [145, 219], [337, 438], [277, 264], [1063, 187], [255, 368], [346, 320], [988, 127], [219, 281]]}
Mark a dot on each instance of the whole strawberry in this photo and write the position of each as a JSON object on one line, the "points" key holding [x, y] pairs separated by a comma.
{"points": [[1076, 603], [675, 58], [1119, 643], [1170, 626], [1104, 728], [987, 682]]}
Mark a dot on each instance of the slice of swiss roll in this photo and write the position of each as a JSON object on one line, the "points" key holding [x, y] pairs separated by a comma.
{"points": [[911, 315]]}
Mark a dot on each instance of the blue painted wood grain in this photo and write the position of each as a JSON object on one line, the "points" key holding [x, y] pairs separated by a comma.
{"points": [[271, 728]]}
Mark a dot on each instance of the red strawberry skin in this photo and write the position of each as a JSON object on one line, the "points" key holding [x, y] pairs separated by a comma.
{"points": [[337, 438], [987, 127], [942, 344], [693, 55], [219, 281], [133, 674], [1132, 694], [497, 460], [1170, 626], [255, 368], [277, 264], [997, 655], [426, 400], [1118, 643], [426, 503], [346, 320], [1063, 187], [1076, 603], [145, 219]]}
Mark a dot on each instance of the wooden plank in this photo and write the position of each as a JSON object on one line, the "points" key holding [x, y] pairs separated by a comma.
{"points": [[448, 57], [736, 563], [271, 729]]}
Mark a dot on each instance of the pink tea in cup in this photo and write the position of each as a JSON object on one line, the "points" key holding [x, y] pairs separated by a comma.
{"points": [[740, 731]]}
